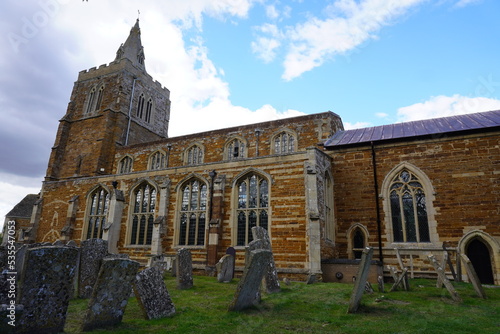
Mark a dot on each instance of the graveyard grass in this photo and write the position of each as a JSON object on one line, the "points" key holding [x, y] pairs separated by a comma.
{"points": [[316, 308]]}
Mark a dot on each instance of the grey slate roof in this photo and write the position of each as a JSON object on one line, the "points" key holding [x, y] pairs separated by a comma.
{"points": [[430, 127], [24, 208]]}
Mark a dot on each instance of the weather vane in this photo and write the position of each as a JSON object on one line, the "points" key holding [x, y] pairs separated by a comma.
{"points": [[138, 13]]}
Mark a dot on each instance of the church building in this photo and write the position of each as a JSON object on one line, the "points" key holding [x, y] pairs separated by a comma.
{"points": [[323, 193]]}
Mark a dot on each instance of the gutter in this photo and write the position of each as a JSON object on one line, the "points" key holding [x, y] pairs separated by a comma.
{"points": [[377, 205]]}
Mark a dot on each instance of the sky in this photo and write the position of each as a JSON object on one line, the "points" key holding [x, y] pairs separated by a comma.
{"points": [[233, 62]]}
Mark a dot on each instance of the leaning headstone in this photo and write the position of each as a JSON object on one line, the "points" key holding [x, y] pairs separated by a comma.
{"points": [[184, 269], [400, 280], [248, 291], [473, 278], [45, 289], [58, 242], [152, 294], [380, 281], [362, 276], [271, 277], [444, 279], [225, 269], [111, 292], [92, 251]]}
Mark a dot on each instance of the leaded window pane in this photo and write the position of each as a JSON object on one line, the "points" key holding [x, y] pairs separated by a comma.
{"points": [[253, 201], [193, 214], [408, 209], [284, 143], [99, 204], [143, 215]]}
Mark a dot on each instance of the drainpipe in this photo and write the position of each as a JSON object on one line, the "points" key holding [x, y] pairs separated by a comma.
{"points": [[377, 205], [130, 111]]}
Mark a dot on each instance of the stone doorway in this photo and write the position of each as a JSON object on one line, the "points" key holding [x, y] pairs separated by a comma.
{"points": [[480, 256]]}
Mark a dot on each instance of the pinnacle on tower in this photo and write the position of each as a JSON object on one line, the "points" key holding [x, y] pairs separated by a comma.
{"points": [[132, 48]]}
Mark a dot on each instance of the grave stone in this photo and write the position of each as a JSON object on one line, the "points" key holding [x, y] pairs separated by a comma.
{"points": [[71, 243], [184, 269], [20, 257], [111, 292], [271, 277], [444, 279], [232, 251], [225, 269], [45, 289], [473, 278], [58, 243], [361, 279], [400, 280], [380, 281], [92, 251], [152, 294], [248, 290]]}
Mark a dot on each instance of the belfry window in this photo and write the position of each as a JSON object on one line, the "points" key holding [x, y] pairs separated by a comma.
{"points": [[98, 209], [408, 208], [284, 143], [99, 99], [252, 207], [90, 102], [236, 149], [149, 109], [140, 107], [144, 202], [193, 214], [125, 165]]}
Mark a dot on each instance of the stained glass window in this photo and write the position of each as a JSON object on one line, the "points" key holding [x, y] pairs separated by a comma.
{"points": [[144, 203], [99, 204], [253, 206], [193, 213], [408, 209]]}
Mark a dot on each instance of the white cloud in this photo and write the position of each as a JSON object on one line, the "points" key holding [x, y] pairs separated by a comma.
{"points": [[350, 24], [381, 115], [442, 106], [357, 125], [464, 3]]}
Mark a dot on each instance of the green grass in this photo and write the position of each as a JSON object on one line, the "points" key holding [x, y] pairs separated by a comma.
{"points": [[316, 308]]}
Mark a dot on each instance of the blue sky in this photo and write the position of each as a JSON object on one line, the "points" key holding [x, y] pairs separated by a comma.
{"points": [[231, 62]]}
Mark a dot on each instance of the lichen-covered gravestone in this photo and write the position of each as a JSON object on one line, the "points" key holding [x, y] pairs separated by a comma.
{"points": [[92, 251], [361, 279], [45, 289], [184, 269], [248, 291], [225, 269], [111, 292], [152, 294], [271, 276]]}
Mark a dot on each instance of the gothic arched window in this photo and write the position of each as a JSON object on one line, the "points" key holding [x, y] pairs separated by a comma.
{"points": [[157, 160], [149, 110], [140, 106], [99, 98], [98, 205], [90, 101], [143, 208], [408, 208], [194, 155], [284, 142], [252, 208], [125, 165], [193, 213], [236, 149]]}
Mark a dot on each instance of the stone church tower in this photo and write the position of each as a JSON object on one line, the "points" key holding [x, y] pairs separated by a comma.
{"points": [[111, 106]]}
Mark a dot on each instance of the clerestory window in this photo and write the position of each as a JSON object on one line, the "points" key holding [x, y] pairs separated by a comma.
{"points": [[284, 143], [125, 165], [236, 149], [157, 160], [194, 155]]}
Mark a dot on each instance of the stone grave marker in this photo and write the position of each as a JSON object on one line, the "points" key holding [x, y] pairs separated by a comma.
{"points": [[232, 251], [380, 281], [361, 279], [45, 289], [111, 292], [248, 290], [444, 279], [271, 277], [184, 269], [401, 279], [225, 269], [92, 251], [473, 278], [152, 294]]}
